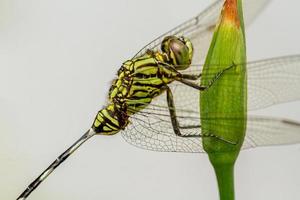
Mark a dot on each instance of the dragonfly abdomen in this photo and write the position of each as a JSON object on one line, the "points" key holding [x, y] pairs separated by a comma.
{"points": [[110, 120]]}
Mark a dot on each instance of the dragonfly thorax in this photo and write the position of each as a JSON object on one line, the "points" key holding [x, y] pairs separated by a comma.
{"points": [[178, 50], [140, 80]]}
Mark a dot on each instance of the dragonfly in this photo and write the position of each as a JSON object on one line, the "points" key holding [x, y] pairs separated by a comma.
{"points": [[154, 101]]}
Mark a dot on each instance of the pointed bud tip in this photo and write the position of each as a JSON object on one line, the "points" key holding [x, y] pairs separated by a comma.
{"points": [[230, 13]]}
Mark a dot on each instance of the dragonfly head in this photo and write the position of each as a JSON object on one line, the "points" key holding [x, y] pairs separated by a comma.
{"points": [[178, 50]]}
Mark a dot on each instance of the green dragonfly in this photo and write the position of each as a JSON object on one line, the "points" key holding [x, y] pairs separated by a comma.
{"points": [[154, 101]]}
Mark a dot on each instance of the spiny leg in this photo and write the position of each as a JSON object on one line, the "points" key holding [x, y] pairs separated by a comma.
{"points": [[192, 84], [193, 77], [184, 78], [219, 74], [175, 123], [34, 184], [189, 126]]}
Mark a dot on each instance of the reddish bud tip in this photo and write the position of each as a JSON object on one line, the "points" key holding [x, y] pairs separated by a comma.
{"points": [[230, 12]]}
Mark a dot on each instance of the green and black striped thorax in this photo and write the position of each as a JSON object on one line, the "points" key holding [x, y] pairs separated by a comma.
{"points": [[140, 80]]}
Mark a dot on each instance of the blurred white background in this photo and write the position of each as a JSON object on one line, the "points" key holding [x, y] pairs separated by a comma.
{"points": [[57, 59]]}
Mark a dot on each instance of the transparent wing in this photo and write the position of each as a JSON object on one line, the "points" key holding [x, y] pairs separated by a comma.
{"points": [[264, 131], [200, 28], [273, 81], [153, 131], [270, 82]]}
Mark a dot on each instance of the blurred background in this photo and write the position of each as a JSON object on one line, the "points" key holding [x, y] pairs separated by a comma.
{"points": [[57, 60]]}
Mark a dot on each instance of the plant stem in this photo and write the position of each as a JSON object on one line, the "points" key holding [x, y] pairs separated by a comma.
{"points": [[223, 110], [225, 177]]}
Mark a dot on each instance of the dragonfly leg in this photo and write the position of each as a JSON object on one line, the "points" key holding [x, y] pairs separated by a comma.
{"points": [[171, 70], [219, 74], [185, 79], [176, 126], [193, 77], [189, 126], [193, 85]]}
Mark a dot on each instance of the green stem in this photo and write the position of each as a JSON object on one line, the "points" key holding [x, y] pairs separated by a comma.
{"points": [[225, 177], [223, 164]]}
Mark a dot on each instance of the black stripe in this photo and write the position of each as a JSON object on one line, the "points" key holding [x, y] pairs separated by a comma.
{"points": [[137, 107], [159, 86], [145, 76], [107, 120]]}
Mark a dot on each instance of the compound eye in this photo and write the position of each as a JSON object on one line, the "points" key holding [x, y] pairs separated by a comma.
{"points": [[165, 44], [179, 54], [178, 51]]}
